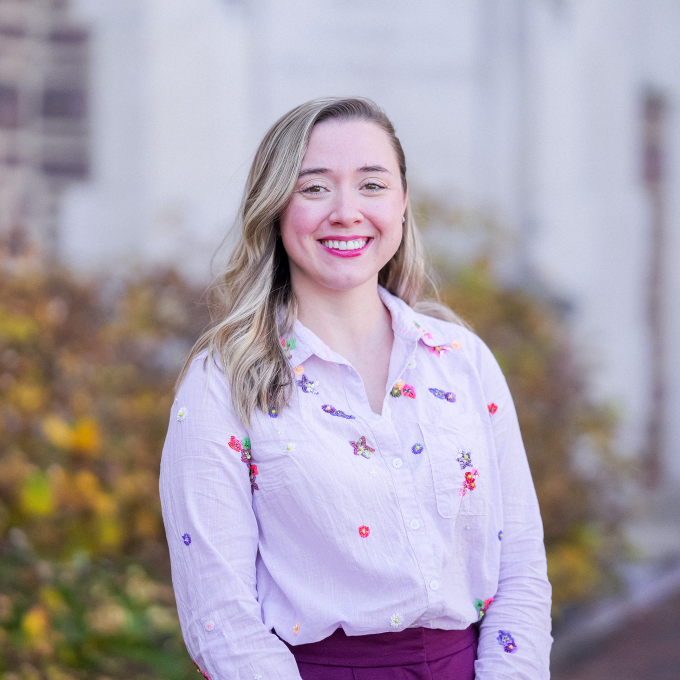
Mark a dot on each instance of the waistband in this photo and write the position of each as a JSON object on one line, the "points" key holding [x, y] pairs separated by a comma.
{"points": [[402, 648]]}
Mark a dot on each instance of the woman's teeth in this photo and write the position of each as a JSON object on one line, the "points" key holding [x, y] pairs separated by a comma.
{"points": [[346, 245]]}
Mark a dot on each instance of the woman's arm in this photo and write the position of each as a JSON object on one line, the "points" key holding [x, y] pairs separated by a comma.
{"points": [[515, 636], [213, 535]]}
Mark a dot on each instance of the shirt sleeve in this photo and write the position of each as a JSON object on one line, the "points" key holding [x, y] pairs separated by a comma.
{"points": [[515, 638], [212, 534]]}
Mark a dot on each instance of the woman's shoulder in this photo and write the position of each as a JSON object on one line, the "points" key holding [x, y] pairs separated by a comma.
{"points": [[205, 379]]}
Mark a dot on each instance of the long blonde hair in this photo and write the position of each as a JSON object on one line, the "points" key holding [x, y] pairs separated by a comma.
{"points": [[252, 303]]}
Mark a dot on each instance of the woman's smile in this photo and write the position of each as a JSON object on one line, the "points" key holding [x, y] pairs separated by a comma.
{"points": [[345, 246]]}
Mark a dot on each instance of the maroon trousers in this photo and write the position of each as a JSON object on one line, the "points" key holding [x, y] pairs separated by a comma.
{"points": [[411, 654]]}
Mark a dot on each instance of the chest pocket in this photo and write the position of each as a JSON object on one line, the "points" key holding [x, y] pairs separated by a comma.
{"points": [[458, 460]]}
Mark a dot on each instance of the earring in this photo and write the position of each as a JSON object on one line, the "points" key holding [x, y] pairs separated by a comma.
{"points": [[403, 219]]}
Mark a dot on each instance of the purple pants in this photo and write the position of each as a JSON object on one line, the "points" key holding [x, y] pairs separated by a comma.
{"points": [[411, 654]]}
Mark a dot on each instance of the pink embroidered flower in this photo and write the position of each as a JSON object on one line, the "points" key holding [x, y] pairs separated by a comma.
{"points": [[456, 344], [409, 391], [364, 531], [234, 443], [253, 470], [439, 350], [492, 408], [299, 370], [296, 628]]}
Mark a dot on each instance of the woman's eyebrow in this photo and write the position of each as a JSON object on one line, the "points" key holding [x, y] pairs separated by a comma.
{"points": [[313, 171], [373, 168], [322, 171]]}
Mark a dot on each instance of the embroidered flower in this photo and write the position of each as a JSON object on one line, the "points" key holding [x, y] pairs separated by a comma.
{"points": [[395, 391], [290, 447], [299, 370], [246, 457], [288, 345], [492, 408], [308, 386], [412, 363], [331, 410], [507, 642], [187, 539], [273, 413], [296, 628], [456, 344], [396, 620], [182, 414], [439, 350], [364, 531], [500, 535], [408, 391], [465, 458], [361, 448], [205, 675], [373, 473], [234, 443], [469, 482], [425, 333], [417, 448], [481, 606], [440, 394]]}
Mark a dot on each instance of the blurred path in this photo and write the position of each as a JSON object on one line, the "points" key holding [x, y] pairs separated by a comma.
{"points": [[647, 647]]}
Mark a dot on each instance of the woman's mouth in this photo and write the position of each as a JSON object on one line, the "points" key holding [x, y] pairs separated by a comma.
{"points": [[345, 247]]}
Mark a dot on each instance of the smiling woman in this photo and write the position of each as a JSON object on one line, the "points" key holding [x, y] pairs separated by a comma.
{"points": [[320, 543]]}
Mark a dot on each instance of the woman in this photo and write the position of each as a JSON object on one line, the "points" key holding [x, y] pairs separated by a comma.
{"points": [[344, 486]]}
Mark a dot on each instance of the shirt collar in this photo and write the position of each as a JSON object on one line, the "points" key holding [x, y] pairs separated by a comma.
{"points": [[406, 323]]}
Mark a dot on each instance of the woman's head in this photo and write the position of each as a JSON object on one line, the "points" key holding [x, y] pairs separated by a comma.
{"points": [[274, 182], [253, 301]]}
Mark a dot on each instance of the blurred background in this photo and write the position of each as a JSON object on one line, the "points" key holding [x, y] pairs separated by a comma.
{"points": [[543, 143]]}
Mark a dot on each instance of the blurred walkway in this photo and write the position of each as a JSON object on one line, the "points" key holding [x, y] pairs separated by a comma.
{"points": [[647, 647]]}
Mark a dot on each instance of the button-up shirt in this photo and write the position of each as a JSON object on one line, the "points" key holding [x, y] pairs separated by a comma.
{"points": [[328, 515]]}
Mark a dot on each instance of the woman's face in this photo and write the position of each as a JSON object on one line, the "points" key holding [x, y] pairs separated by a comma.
{"points": [[344, 219]]}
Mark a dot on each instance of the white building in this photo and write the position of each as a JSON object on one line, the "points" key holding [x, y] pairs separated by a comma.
{"points": [[530, 111]]}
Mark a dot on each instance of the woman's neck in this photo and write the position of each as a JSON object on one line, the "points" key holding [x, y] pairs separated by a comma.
{"points": [[351, 322]]}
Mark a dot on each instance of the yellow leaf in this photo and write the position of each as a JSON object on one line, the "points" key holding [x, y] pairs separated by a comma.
{"points": [[36, 494], [58, 432], [35, 624], [86, 436]]}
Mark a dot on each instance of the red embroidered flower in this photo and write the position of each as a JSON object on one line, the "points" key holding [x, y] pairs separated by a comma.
{"points": [[234, 443], [492, 408], [364, 531], [409, 391], [253, 469], [469, 481]]}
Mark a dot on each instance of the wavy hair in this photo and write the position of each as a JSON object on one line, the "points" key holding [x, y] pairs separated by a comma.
{"points": [[252, 304]]}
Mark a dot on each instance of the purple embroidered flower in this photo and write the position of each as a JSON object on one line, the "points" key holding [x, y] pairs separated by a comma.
{"points": [[465, 458], [440, 394], [500, 535], [417, 448], [331, 410], [507, 642], [308, 386], [273, 413], [361, 448], [187, 539]]}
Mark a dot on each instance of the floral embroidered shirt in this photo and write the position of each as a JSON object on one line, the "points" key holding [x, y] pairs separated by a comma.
{"points": [[328, 515]]}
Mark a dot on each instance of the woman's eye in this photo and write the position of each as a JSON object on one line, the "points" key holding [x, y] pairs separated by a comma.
{"points": [[314, 189], [373, 186]]}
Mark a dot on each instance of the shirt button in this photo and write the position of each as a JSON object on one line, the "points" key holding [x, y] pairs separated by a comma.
{"points": [[434, 584], [397, 462], [415, 524], [209, 625]]}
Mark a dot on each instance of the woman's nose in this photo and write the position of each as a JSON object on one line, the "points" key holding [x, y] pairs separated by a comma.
{"points": [[345, 209]]}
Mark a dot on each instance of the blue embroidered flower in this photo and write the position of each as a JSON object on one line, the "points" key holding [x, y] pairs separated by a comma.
{"points": [[331, 410], [465, 458], [440, 394], [500, 535], [187, 539], [417, 448], [507, 642], [308, 386], [273, 413]]}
